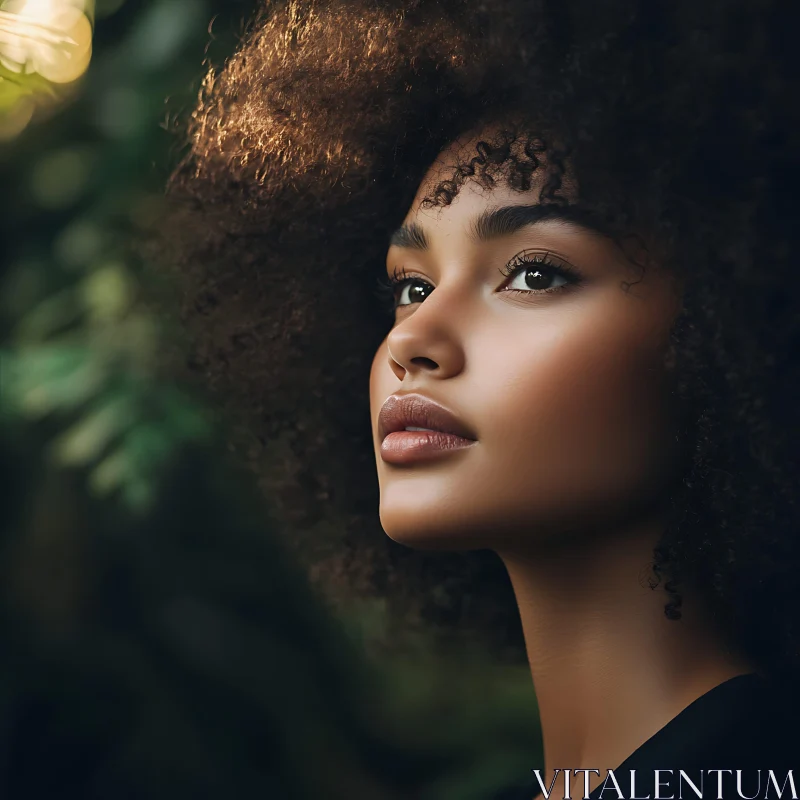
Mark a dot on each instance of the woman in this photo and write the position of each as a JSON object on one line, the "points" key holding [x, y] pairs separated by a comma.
{"points": [[584, 216]]}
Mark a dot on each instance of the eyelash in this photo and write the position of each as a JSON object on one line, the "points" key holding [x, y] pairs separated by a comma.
{"points": [[389, 286]]}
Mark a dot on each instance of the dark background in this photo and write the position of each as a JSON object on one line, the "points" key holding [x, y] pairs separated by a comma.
{"points": [[156, 639]]}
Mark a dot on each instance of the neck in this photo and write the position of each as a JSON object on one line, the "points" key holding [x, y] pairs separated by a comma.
{"points": [[609, 669]]}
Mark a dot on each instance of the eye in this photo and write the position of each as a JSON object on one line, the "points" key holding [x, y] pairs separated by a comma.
{"points": [[536, 279], [529, 273], [538, 273], [398, 289], [413, 290]]}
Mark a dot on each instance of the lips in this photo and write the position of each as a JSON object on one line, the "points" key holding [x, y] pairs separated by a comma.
{"points": [[400, 412]]}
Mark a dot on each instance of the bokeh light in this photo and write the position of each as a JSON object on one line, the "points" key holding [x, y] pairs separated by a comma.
{"points": [[43, 44]]}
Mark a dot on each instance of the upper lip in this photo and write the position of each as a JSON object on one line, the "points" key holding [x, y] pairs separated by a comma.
{"points": [[418, 411]]}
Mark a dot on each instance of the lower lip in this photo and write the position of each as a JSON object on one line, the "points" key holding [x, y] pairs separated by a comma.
{"points": [[404, 447]]}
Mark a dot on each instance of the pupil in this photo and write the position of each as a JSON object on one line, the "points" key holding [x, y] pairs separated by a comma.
{"points": [[417, 291], [537, 279]]}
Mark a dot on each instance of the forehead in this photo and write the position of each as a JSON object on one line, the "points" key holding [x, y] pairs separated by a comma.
{"points": [[467, 206], [473, 194]]}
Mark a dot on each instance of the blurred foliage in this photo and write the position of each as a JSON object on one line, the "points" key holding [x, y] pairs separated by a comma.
{"points": [[158, 640], [83, 346], [184, 656]]}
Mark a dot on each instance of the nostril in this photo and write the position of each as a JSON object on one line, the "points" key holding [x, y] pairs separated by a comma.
{"points": [[422, 361]]}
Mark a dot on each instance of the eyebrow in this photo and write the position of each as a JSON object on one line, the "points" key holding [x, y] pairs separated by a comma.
{"points": [[495, 223]]}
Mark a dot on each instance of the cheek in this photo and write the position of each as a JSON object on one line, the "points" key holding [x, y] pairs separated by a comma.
{"points": [[576, 412], [575, 378]]}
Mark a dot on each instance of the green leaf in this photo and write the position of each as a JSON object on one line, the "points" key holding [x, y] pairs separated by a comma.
{"points": [[49, 316], [184, 417], [147, 445], [25, 83], [108, 292], [139, 495], [90, 436], [40, 379], [110, 473]]}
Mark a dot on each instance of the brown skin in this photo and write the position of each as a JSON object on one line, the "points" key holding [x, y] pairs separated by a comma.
{"points": [[567, 392]]}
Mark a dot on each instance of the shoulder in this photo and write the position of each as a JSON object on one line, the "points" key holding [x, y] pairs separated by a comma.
{"points": [[763, 730], [745, 721], [739, 731]]}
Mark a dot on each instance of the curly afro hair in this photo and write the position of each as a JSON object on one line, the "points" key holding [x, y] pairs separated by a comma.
{"points": [[675, 116]]}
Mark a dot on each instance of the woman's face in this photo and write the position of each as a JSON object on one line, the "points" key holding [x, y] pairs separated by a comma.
{"points": [[524, 330]]}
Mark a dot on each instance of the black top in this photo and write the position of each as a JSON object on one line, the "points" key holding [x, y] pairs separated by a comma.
{"points": [[746, 723]]}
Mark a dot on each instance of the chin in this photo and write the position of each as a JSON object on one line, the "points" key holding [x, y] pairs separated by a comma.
{"points": [[422, 537], [424, 526]]}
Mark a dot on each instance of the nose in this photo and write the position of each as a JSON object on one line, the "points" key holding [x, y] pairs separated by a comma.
{"points": [[428, 339]]}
